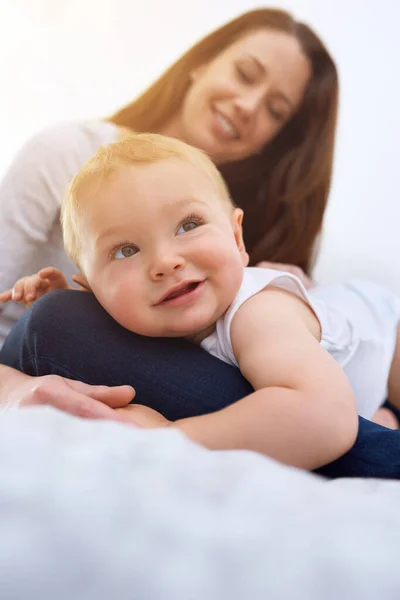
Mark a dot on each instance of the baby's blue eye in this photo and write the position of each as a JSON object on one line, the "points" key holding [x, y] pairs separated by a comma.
{"points": [[187, 226], [125, 251]]}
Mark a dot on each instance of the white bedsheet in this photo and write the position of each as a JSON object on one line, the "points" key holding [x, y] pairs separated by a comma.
{"points": [[97, 510]]}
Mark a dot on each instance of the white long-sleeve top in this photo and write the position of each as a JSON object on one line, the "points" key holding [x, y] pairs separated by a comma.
{"points": [[30, 199]]}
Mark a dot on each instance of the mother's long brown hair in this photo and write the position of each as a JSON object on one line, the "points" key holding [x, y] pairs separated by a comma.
{"points": [[284, 189]]}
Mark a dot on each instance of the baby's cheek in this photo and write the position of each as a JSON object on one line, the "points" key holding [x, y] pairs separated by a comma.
{"points": [[225, 255], [129, 308], [120, 301], [219, 251], [112, 296], [229, 269]]}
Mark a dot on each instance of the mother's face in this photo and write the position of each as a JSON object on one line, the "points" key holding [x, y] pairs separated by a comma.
{"points": [[241, 99]]}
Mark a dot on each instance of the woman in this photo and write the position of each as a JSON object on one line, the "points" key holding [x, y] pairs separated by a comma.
{"points": [[260, 96]]}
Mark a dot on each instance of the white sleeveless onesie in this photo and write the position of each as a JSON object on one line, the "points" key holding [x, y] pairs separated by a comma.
{"points": [[358, 328]]}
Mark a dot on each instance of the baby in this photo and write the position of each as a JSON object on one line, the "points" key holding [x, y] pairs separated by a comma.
{"points": [[153, 231]]}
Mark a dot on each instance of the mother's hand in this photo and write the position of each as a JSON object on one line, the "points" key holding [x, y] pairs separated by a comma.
{"points": [[293, 269], [74, 397]]}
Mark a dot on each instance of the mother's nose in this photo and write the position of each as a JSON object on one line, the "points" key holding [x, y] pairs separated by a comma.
{"points": [[247, 103]]}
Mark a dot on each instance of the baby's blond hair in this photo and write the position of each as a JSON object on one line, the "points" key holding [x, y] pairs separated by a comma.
{"points": [[132, 150]]}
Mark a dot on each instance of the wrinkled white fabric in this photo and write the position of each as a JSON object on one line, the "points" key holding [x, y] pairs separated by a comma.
{"points": [[95, 510], [31, 192]]}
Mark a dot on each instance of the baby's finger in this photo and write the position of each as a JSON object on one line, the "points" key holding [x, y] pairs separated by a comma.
{"points": [[50, 273], [6, 296], [56, 278], [18, 291], [35, 287]]}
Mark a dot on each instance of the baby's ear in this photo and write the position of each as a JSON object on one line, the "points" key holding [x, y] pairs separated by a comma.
{"points": [[82, 282], [237, 220]]}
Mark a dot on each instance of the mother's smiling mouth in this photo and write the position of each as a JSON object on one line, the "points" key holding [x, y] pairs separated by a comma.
{"points": [[226, 125]]}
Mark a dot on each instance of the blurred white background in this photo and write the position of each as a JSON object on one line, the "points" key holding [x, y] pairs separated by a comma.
{"points": [[64, 60]]}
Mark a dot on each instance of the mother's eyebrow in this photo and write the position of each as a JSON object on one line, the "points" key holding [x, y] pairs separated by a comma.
{"points": [[259, 64], [263, 69]]}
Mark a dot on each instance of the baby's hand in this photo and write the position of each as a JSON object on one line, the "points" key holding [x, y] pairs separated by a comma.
{"points": [[29, 289], [143, 416]]}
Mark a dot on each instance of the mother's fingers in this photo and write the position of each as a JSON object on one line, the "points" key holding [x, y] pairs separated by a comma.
{"points": [[59, 393], [115, 397]]}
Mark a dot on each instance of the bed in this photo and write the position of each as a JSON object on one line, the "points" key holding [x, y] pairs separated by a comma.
{"points": [[98, 510]]}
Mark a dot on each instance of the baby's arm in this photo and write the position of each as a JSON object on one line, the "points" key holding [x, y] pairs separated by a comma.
{"points": [[29, 289], [303, 411]]}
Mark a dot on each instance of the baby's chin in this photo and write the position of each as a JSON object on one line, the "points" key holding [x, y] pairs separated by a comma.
{"points": [[192, 334], [159, 332], [195, 329]]}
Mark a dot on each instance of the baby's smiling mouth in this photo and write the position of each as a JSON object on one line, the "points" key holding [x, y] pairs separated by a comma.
{"points": [[177, 291]]}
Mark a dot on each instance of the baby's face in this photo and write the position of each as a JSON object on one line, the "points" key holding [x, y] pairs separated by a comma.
{"points": [[161, 251]]}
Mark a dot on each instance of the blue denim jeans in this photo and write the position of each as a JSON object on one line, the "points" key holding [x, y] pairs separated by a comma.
{"points": [[68, 333]]}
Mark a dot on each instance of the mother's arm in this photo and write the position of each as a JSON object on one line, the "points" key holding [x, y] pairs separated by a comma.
{"points": [[30, 197]]}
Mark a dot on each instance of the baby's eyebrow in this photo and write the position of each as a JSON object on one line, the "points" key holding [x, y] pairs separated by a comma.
{"points": [[107, 233], [115, 230], [189, 201]]}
